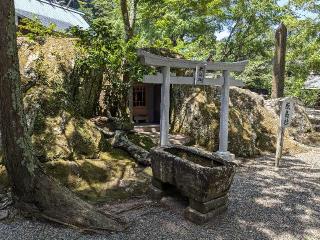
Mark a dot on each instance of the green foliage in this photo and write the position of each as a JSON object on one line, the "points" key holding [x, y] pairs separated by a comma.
{"points": [[184, 26], [250, 26], [189, 28], [35, 30], [105, 50], [303, 53], [258, 74]]}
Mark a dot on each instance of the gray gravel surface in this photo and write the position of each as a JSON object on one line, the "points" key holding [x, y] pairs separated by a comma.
{"points": [[265, 203]]}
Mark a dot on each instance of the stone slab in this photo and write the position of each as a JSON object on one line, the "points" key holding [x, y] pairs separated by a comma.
{"points": [[155, 193], [4, 214], [208, 206], [227, 156], [201, 218]]}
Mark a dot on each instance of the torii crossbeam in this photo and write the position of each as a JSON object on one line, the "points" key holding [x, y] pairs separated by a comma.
{"points": [[165, 79]]}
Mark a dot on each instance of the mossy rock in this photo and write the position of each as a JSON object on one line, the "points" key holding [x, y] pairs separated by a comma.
{"points": [[65, 137], [4, 181], [141, 140], [252, 127], [113, 176]]}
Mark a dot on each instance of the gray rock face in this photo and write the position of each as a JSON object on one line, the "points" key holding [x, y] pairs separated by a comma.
{"points": [[196, 113], [204, 178], [4, 214], [300, 120]]}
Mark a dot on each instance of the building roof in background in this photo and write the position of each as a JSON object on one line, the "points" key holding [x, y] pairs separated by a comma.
{"points": [[313, 82], [48, 12]]}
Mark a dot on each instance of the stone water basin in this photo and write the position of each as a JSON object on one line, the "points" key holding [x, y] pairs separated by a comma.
{"points": [[203, 177]]}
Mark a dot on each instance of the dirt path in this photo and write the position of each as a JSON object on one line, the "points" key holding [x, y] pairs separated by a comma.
{"points": [[265, 203]]}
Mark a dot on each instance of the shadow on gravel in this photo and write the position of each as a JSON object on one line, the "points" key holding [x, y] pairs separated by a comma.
{"points": [[269, 203], [265, 203]]}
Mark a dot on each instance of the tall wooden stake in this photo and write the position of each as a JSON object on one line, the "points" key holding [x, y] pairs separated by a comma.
{"points": [[279, 145], [279, 62]]}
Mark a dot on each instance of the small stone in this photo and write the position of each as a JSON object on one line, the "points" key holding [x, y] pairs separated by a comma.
{"points": [[4, 214]]}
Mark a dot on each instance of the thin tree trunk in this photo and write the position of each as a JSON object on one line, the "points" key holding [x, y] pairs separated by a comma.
{"points": [[129, 16], [35, 192], [279, 62]]}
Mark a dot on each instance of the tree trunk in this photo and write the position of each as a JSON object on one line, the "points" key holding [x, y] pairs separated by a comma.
{"points": [[129, 15], [279, 62], [34, 192]]}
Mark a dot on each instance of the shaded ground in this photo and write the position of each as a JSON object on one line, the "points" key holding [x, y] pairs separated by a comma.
{"points": [[265, 203], [112, 176]]}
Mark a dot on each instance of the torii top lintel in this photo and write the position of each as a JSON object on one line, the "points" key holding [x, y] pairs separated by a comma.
{"points": [[150, 59]]}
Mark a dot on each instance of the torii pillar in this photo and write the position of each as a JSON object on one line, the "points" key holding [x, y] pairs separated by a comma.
{"points": [[224, 119]]}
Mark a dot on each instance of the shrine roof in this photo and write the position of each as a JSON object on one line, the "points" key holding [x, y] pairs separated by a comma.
{"points": [[48, 12], [313, 82]]}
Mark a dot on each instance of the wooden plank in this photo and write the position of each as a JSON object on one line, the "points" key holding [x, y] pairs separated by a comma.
{"points": [[158, 79], [131, 103], [190, 81], [165, 106], [280, 137], [159, 61], [153, 79]]}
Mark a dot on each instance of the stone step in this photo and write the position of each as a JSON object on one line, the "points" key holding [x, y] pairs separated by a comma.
{"points": [[314, 116], [311, 111], [315, 120], [147, 128]]}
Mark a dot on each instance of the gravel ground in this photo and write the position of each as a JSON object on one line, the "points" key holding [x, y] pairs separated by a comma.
{"points": [[265, 203]]}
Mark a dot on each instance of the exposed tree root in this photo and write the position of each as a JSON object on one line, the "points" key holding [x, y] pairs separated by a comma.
{"points": [[56, 203], [138, 153]]}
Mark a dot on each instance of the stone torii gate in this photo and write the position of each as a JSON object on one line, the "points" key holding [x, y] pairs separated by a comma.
{"points": [[165, 79]]}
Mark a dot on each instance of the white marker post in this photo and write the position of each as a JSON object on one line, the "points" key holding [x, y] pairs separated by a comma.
{"points": [[286, 112], [224, 114]]}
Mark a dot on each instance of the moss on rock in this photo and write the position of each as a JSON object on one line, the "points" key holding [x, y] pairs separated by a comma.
{"points": [[142, 140], [65, 137], [252, 127], [114, 176]]}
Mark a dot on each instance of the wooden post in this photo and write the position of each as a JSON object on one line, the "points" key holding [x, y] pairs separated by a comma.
{"points": [[279, 62], [130, 95], [279, 145], [165, 107], [286, 112], [224, 113]]}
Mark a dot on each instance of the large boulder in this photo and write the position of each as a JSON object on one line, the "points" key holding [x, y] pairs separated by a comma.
{"points": [[252, 127], [300, 124], [53, 119], [65, 137]]}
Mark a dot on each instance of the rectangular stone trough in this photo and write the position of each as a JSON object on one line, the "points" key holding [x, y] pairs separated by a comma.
{"points": [[204, 178]]}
